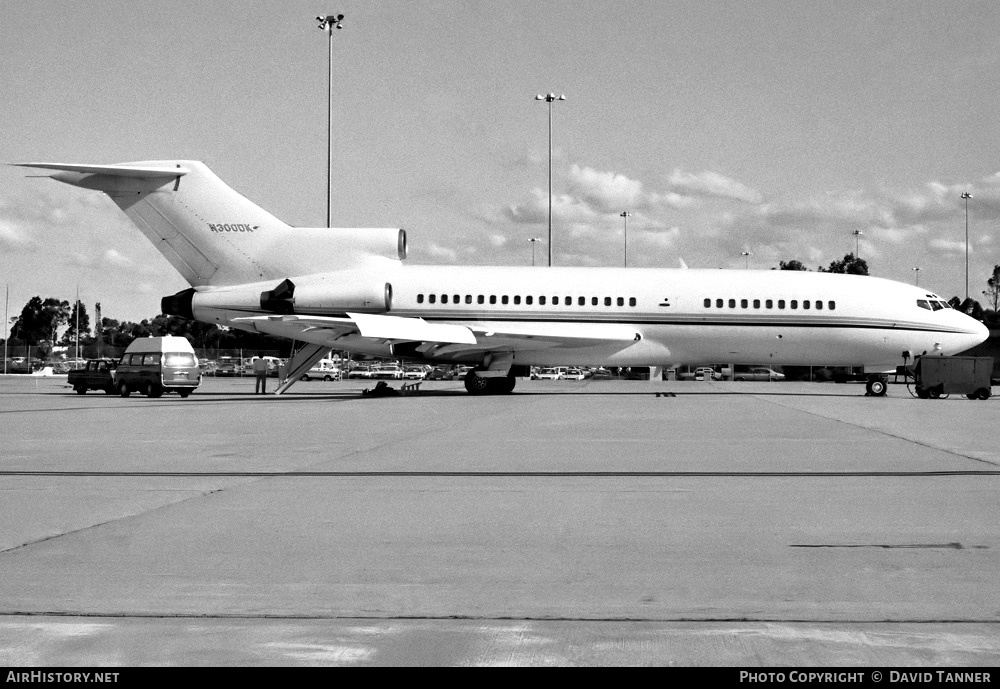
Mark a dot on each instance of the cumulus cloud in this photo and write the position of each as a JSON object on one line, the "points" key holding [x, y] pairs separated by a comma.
{"points": [[12, 238], [441, 253], [711, 184], [113, 257], [948, 246], [565, 208], [605, 192]]}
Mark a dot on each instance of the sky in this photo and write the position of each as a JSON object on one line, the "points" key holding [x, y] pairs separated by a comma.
{"points": [[770, 128]]}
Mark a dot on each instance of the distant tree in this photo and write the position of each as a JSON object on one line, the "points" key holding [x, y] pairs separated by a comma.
{"points": [[121, 334], [992, 292], [791, 265], [851, 265], [973, 308], [201, 335], [40, 320], [69, 337]]}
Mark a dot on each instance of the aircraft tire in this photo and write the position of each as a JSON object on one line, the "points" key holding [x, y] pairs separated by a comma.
{"points": [[876, 387], [476, 385]]}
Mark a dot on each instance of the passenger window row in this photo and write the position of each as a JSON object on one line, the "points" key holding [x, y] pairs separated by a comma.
{"points": [[517, 300], [793, 304]]}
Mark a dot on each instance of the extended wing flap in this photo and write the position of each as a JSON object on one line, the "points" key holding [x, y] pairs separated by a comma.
{"points": [[373, 326], [411, 329], [568, 335]]}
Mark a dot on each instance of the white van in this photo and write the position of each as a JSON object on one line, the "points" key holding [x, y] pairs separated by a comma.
{"points": [[154, 365]]}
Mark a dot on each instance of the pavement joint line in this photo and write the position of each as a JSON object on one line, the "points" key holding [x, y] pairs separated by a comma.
{"points": [[199, 494], [503, 474], [488, 618], [883, 432]]}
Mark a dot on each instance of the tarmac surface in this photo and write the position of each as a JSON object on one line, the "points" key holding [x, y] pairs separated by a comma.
{"points": [[571, 523]]}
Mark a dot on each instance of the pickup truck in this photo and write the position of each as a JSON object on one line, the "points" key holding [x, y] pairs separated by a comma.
{"points": [[98, 374]]}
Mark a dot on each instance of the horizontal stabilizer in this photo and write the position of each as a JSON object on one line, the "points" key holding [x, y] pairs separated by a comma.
{"points": [[112, 170]]}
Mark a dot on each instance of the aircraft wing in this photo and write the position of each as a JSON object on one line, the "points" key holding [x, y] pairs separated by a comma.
{"points": [[365, 325], [482, 337]]}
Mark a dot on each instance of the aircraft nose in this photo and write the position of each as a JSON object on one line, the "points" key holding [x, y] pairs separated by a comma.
{"points": [[976, 333]]}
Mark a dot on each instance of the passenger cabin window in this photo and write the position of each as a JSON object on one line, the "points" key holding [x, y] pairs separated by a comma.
{"points": [[493, 299], [819, 305], [631, 301], [794, 304], [504, 299], [480, 299], [607, 301], [756, 303], [708, 303], [594, 301], [568, 301], [743, 303], [781, 303], [444, 298], [732, 303], [432, 298], [832, 305], [718, 303], [805, 304], [769, 304], [420, 299], [468, 298], [541, 300], [528, 300]]}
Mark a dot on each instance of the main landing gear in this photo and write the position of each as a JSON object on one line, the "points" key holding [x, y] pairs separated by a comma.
{"points": [[480, 385]]}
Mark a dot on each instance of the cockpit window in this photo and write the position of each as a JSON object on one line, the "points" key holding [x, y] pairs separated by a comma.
{"points": [[924, 304], [937, 305]]}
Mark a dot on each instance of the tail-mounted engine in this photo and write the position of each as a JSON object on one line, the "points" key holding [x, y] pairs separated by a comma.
{"points": [[335, 295]]}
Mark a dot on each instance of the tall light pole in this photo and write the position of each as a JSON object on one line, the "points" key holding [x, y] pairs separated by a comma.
{"points": [[548, 99], [916, 276], [746, 256], [328, 24], [532, 242], [966, 196], [857, 242], [626, 215]]}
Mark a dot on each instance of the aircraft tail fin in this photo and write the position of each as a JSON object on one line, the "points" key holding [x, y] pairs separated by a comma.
{"points": [[213, 235], [190, 215]]}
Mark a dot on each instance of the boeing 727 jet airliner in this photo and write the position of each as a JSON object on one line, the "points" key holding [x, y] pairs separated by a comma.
{"points": [[348, 289]]}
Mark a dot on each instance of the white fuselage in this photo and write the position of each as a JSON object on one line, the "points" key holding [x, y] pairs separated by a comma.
{"points": [[680, 316]]}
